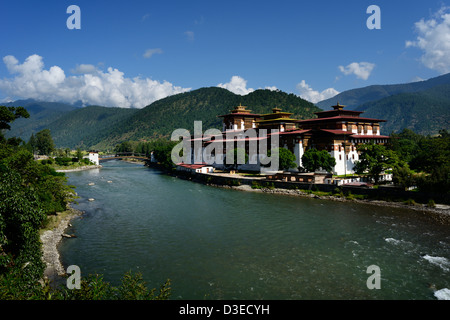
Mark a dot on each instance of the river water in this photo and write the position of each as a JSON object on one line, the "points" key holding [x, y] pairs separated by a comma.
{"points": [[215, 243]]}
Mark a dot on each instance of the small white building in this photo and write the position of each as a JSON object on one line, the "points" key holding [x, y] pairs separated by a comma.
{"points": [[93, 157], [195, 168]]}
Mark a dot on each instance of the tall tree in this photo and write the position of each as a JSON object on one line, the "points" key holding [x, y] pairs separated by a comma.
{"points": [[374, 159], [44, 142]]}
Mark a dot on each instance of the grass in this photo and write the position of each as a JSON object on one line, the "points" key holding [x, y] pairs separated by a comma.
{"points": [[74, 165], [52, 221]]}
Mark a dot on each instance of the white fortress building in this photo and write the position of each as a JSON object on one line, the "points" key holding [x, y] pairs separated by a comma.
{"points": [[337, 131]]}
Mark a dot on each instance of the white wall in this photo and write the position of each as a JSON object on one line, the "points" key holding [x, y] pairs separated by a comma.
{"points": [[93, 157]]}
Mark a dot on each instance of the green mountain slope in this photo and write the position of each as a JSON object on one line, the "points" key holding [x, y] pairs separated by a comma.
{"points": [[356, 97], [87, 126], [424, 112], [180, 111], [41, 115]]}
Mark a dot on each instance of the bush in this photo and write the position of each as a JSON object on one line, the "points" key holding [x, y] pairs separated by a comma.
{"points": [[410, 202], [63, 161]]}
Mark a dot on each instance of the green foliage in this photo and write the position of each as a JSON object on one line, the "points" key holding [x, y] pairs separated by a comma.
{"points": [[286, 159], [7, 116], [429, 156], [44, 142], [431, 203], [313, 160], [79, 154], [162, 151], [102, 128], [374, 159], [403, 176]]}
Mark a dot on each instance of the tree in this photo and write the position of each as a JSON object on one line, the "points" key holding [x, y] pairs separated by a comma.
{"points": [[31, 145], [8, 115], [313, 160], [44, 142], [374, 159], [79, 154], [286, 159], [403, 176]]}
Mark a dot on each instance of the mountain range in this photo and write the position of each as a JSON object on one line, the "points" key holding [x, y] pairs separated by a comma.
{"points": [[356, 97], [421, 106]]}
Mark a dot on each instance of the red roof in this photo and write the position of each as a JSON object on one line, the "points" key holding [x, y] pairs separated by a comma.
{"points": [[240, 139], [337, 131], [361, 136], [355, 119], [193, 166], [242, 114], [292, 132]]}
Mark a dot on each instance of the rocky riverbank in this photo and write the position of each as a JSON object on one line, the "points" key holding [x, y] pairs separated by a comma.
{"points": [[50, 240], [80, 168], [439, 213]]}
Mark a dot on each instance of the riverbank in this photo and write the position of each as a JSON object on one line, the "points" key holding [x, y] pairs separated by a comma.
{"points": [[79, 168], [439, 213], [50, 238]]}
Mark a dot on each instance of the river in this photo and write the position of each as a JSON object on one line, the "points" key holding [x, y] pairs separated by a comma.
{"points": [[217, 243]]}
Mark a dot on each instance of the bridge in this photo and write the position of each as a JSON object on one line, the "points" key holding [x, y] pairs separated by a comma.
{"points": [[123, 155]]}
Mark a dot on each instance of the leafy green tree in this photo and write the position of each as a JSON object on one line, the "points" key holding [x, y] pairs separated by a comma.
{"points": [[79, 154], [314, 159], [433, 152], [162, 150], [44, 142], [286, 159], [403, 176], [31, 144], [374, 159], [125, 146], [7, 116]]}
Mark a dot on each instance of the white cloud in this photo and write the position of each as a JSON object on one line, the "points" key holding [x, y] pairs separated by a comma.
{"points": [[307, 93], [150, 52], [190, 35], [237, 85], [361, 70], [91, 86], [271, 88], [84, 68], [434, 40]]}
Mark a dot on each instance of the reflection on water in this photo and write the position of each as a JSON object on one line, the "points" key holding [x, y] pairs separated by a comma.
{"points": [[218, 243]]}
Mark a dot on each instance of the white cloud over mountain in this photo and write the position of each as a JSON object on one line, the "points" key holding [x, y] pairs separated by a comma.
{"points": [[434, 40], [90, 85], [361, 70], [314, 96], [237, 85]]}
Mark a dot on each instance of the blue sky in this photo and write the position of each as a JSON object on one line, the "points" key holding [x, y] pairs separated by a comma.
{"points": [[130, 53]]}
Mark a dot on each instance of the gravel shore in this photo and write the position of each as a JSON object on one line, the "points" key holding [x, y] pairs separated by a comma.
{"points": [[50, 240]]}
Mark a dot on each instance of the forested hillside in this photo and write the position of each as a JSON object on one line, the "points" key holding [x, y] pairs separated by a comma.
{"points": [[159, 119]]}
